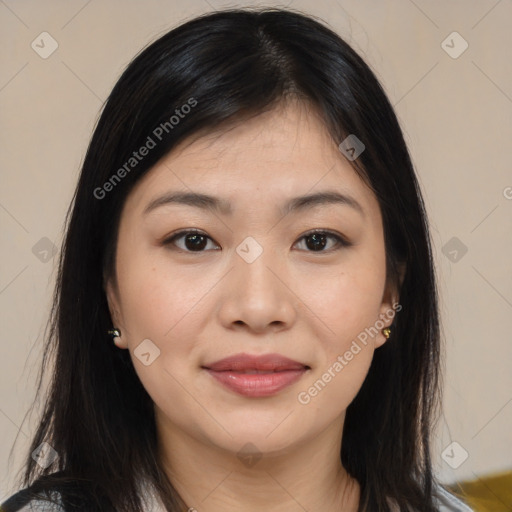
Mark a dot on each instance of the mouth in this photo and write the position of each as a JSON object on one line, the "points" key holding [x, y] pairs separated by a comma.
{"points": [[254, 372], [256, 376]]}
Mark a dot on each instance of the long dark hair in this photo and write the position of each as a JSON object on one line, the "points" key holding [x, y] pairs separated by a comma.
{"points": [[226, 66]]}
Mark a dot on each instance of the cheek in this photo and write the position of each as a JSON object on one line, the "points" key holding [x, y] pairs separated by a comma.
{"points": [[158, 299], [164, 306], [348, 308], [330, 391], [345, 302]]}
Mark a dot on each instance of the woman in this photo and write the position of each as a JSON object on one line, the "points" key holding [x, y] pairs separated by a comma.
{"points": [[246, 313]]}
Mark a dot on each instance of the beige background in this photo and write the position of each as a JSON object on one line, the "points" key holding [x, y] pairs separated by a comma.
{"points": [[456, 114]]}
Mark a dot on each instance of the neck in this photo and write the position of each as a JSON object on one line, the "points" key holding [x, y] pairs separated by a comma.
{"points": [[306, 476]]}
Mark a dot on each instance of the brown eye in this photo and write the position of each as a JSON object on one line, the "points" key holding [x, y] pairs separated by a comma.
{"points": [[193, 241], [316, 241]]}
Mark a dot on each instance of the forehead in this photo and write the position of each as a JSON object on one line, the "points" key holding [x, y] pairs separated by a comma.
{"points": [[260, 162]]}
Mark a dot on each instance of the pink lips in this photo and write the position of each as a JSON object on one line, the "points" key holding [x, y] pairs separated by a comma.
{"points": [[256, 376]]}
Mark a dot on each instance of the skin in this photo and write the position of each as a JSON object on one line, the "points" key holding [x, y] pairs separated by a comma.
{"points": [[199, 307]]}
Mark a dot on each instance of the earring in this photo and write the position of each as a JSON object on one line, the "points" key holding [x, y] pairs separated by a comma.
{"points": [[116, 335], [386, 332]]}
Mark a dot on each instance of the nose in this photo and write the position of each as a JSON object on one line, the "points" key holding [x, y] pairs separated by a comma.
{"points": [[257, 296]]}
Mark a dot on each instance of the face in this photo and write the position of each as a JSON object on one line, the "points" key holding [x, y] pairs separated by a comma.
{"points": [[252, 278]]}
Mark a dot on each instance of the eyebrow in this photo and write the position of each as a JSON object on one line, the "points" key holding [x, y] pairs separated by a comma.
{"points": [[219, 205]]}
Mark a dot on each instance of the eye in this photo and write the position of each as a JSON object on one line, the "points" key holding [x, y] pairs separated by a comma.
{"points": [[317, 240], [196, 241]]}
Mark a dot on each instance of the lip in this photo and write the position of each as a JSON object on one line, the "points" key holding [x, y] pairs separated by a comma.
{"points": [[279, 373]]}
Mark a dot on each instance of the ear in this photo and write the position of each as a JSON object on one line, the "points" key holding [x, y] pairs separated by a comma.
{"points": [[390, 305], [112, 294]]}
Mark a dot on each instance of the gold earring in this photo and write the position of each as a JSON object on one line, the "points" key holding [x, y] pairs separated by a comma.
{"points": [[386, 332], [116, 335]]}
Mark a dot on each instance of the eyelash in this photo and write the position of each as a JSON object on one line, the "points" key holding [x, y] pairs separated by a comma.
{"points": [[340, 241]]}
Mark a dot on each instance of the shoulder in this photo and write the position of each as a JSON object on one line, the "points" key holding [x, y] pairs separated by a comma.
{"points": [[27, 501], [448, 502], [444, 501], [57, 492]]}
